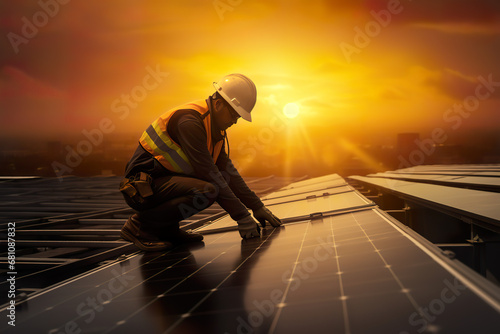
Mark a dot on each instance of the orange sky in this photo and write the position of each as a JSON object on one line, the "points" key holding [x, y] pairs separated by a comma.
{"points": [[354, 78]]}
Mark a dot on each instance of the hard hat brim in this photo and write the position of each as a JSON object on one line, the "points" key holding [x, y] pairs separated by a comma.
{"points": [[240, 110]]}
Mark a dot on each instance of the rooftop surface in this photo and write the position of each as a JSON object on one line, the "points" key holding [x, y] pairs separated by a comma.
{"points": [[339, 264]]}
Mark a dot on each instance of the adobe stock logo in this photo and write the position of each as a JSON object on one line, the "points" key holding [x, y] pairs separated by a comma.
{"points": [[422, 319], [30, 28], [223, 6], [120, 106], [456, 116], [372, 29], [88, 310], [292, 279]]}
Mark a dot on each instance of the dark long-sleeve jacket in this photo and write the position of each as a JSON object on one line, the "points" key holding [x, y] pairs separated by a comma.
{"points": [[186, 129]]}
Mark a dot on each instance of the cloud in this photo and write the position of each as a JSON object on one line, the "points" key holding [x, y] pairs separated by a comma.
{"points": [[463, 28], [271, 100], [275, 87], [457, 11], [15, 83], [450, 16], [440, 11], [28, 104], [393, 93], [456, 84], [455, 16], [93, 52]]}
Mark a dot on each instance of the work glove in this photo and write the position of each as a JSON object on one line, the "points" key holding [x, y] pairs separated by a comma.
{"points": [[263, 214], [248, 228]]}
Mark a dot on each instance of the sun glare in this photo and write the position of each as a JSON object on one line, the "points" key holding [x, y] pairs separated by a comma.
{"points": [[291, 110]]}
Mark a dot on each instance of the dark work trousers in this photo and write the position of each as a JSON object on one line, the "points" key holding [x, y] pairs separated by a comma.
{"points": [[174, 198]]}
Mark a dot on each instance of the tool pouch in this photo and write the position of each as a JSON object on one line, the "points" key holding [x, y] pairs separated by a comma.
{"points": [[137, 187]]}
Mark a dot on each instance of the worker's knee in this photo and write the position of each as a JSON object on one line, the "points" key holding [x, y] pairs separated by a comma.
{"points": [[210, 190], [205, 196]]}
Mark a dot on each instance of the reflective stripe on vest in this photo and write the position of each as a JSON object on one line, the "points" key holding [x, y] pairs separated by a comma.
{"points": [[163, 146], [156, 140]]}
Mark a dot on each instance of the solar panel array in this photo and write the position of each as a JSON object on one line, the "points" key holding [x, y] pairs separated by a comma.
{"points": [[64, 227], [478, 177], [455, 206], [339, 264]]}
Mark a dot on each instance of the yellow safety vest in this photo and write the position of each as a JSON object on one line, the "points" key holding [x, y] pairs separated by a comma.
{"points": [[157, 141]]}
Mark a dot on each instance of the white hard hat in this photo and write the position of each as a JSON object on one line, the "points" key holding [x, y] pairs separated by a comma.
{"points": [[240, 92]]}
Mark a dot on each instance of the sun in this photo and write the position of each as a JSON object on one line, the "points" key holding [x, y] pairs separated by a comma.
{"points": [[291, 110]]}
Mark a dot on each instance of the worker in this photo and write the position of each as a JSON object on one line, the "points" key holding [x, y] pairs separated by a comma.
{"points": [[181, 167]]}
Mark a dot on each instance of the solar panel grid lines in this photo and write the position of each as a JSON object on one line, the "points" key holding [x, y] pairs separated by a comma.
{"points": [[99, 284], [285, 293], [342, 297], [121, 322], [138, 311], [215, 289], [346, 267], [302, 206], [404, 289], [352, 245], [71, 296], [484, 289], [61, 209], [395, 259], [201, 296]]}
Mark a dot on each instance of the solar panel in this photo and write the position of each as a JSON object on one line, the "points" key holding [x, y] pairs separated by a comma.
{"points": [[68, 226], [349, 273], [472, 180], [293, 190], [272, 199], [345, 270], [305, 208], [479, 204], [453, 168], [326, 179]]}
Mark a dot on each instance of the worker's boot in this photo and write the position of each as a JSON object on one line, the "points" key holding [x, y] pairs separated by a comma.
{"points": [[148, 242], [178, 236], [186, 236]]}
